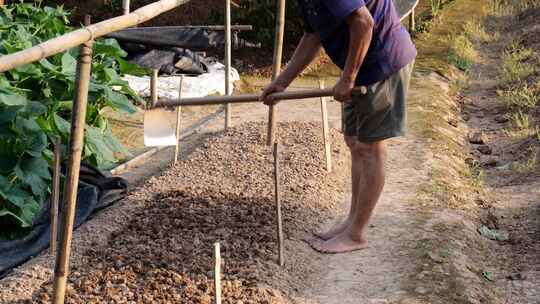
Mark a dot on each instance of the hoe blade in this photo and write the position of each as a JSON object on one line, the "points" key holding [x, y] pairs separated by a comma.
{"points": [[159, 129]]}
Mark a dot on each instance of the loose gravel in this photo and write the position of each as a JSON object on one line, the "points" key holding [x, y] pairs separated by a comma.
{"points": [[222, 192]]}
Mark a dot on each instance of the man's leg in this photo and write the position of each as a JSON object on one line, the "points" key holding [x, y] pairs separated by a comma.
{"points": [[369, 164], [356, 169]]}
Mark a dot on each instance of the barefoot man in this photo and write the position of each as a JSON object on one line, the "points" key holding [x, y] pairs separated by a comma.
{"points": [[367, 41]]}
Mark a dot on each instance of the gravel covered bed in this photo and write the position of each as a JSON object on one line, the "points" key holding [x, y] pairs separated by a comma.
{"points": [[222, 192]]}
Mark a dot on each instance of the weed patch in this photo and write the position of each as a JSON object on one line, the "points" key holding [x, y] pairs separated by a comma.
{"points": [[462, 55], [515, 66]]}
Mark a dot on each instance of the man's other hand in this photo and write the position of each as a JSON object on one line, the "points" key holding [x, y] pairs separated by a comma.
{"points": [[274, 87], [343, 89]]}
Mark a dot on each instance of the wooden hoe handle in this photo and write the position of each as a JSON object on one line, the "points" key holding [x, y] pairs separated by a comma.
{"points": [[244, 98]]}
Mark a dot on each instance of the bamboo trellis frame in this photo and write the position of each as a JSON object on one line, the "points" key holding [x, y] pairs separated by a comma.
{"points": [[78, 37]]}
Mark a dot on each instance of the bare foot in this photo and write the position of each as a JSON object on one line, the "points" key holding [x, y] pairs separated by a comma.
{"points": [[341, 243], [337, 229]]}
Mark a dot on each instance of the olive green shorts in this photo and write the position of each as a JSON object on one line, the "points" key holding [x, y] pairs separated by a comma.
{"points": [[380, 111]]}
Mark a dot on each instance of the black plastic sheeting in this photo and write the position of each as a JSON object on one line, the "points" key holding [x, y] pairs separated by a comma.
{"points": [[171, 61], [97, 190], [173, 49], [197, 39]]}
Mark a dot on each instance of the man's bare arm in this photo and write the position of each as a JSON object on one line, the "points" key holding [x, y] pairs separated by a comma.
{"points": [[360, 32], [307, 49]]}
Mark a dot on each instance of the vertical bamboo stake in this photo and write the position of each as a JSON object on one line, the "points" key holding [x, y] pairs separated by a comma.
{"points": [[55, 195], [178, 117], [342, 117], [217, 273], [277, 197], [126, 7], [154, 87], [228, 89], [412, 25], [326, 136], [82, 82], [278, 52]]}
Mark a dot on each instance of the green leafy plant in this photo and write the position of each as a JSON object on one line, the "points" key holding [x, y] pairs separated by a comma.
{"points": [[36, 104]]}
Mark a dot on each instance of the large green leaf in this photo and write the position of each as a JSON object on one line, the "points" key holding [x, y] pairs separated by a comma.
{"points": [[26, 126], [8, 113], [95, 142], [109, 48], [17, 197], [12, 99], [33, 171], [25, 215], [114, 143], [69, 64], [22, 222], [34, 108], [62, 125], [35, 144], [119, 101], [8, 160], [127, 67]]}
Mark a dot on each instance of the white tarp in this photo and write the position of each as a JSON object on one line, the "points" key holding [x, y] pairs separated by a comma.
{"points": [[205, 84]]}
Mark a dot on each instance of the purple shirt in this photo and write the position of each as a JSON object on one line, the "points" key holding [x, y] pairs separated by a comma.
{"points": [[391, 46]]}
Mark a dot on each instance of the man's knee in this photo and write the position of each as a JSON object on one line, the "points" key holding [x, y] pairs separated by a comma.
{"points": [[365, 149]]}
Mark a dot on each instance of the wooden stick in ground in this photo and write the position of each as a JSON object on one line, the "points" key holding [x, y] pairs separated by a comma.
{"points": [[55, 195], [342, 106], [326, 135], [154, 87], [278, 52], [126, 7], [178, 117], [277, 197], [76, 144], [77, 37], [228, 89], [217, 273]]}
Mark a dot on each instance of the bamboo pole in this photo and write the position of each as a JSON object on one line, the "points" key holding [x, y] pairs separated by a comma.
{"points": [[342, 104], [277, 197], [234, 27], [76, 145], [154, 87], [78, 37], [126, 7], [1, 2], [228, 89], [178, 117], [55, 195], [326, 135], [217, 273], [278, 52]]}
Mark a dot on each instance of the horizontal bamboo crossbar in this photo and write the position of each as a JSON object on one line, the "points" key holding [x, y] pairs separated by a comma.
{"points": [[78, 37], [235, 27]]}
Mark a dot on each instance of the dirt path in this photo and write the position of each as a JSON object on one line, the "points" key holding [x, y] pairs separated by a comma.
{"points": [[379, 274]]}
